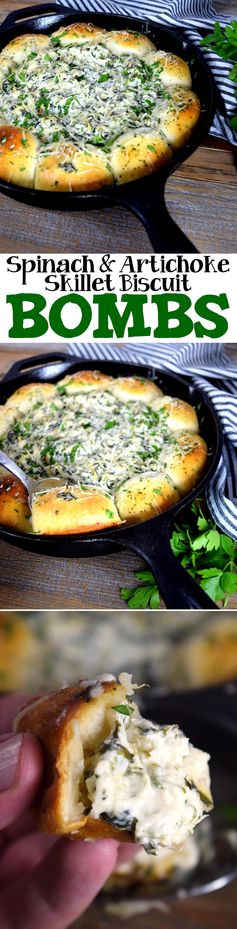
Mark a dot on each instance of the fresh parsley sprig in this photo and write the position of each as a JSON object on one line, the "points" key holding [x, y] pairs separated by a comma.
{"points": [[223, 41], [208, 555]]}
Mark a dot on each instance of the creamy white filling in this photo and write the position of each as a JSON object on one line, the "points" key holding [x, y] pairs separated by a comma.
{"points": [[93, 439], [53, 93], [150, 780]]}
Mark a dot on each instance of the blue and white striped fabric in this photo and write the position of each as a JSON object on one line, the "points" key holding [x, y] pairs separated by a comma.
{"points": [[215, 375], [193, 15]]}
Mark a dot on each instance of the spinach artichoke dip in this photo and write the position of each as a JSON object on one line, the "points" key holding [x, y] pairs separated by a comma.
{"points": [[122, 450], [113, 773], [86, 107]]}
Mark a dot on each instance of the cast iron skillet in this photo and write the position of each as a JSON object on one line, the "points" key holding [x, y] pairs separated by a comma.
{"points": [[149, 539], [144, 197]]}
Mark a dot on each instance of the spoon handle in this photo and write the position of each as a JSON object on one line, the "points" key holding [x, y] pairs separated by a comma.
{"points": [[14, 468]]}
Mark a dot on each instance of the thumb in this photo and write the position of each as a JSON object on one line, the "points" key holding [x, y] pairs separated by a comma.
{"points": [[20, 774]]}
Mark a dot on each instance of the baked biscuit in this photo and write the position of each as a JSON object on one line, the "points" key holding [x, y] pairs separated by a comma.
{"points": [[85, 381], [179, 415], [178, 118], [78, 34], [128, 43], [138, 153], [135, 388], [104, 764], [24, 45], [144, 496], [68, 509], [18, 156], [184, 460], [69, 169], [171, 69]]}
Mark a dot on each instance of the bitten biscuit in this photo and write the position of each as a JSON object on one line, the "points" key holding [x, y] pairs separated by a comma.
{"points": [[104, 766]]}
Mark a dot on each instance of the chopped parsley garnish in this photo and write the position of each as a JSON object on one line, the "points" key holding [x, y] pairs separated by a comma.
{"points": [[103, 78], [124, 709], [48, 452], [110, 423], [74, 450], [223, 41]]}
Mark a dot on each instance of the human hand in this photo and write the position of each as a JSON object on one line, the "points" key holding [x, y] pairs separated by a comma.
{"points": [[44, 880]]}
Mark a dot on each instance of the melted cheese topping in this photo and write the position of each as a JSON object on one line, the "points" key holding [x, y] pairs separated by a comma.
{"points": [[92, 439], [150, 780], [82, 93]]}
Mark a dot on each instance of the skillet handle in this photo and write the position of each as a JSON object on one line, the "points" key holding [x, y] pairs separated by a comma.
{"points": [[34, 362], [150, 207], [178, 589], [17, 16]]}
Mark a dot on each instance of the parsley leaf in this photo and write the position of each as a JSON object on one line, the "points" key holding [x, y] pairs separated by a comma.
{"points": [[124, 709], [208, 555], [223, 41]]}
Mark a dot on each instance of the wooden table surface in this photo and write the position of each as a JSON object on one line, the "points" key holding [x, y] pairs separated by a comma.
{"points": [[214, 911], [29, 581], [201, 197]]}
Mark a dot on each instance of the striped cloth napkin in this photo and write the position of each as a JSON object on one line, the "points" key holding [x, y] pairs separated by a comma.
{"points": [[211, 371], [194, 16]]}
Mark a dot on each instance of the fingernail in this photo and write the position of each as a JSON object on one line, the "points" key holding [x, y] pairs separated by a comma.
{"points": [[10, 749]]}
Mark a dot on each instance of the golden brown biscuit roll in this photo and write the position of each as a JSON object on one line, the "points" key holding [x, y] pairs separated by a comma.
{"points": [[85, 382], [128, 43], [177, 121], [78, 34], [137, 153], [71, 169], [18, 156], [135, 388], [23, 45], [171, 69], [145, 495], [68, 509], [179, 414], [185, 460]]}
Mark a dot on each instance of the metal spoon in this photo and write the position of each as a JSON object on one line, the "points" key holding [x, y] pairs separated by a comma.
{"points": [[31, 485]]}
